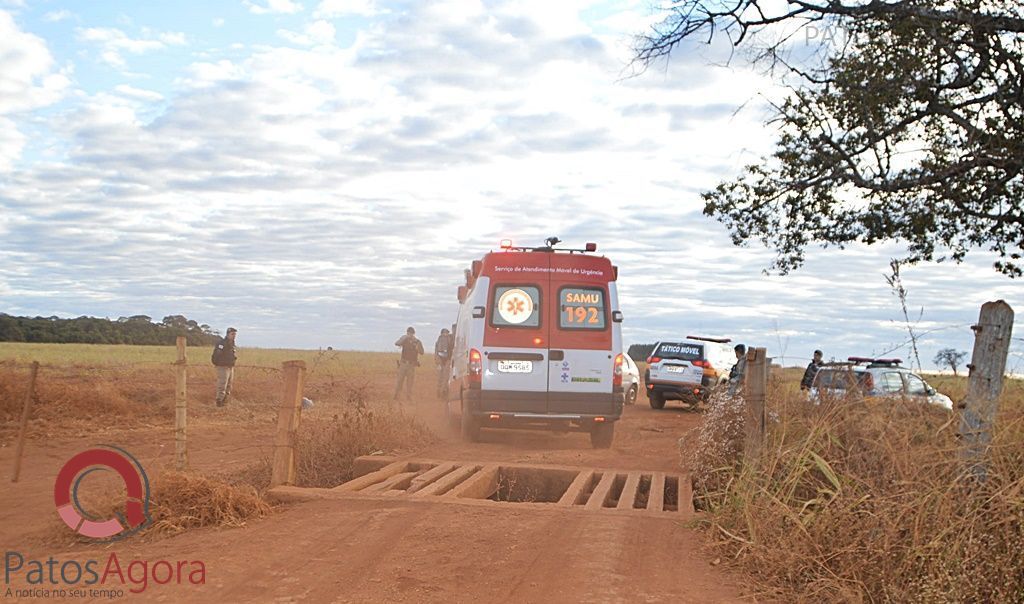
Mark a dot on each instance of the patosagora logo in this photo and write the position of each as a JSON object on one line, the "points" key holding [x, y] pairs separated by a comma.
{"points": [[103, 458]]}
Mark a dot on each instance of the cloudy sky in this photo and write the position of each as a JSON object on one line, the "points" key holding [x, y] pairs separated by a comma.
{"points": [[320, 172]]}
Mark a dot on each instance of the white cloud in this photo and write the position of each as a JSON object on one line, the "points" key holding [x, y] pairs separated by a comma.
{"points": [[57, 15], [138, 94], [273, 7], [345, 8], [317, 32], [366, 177], [28, 80], [205, 74], [218, 22], [12, 141], [114, 43]]}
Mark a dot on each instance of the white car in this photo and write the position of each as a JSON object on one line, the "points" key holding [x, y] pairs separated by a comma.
{"points": [[630, 380], [875, 377]]}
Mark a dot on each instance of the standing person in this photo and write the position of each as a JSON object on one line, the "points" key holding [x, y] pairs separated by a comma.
{"points": [[811, 371], [412, 348], [739, 370], [442, 358], [224, 357]]}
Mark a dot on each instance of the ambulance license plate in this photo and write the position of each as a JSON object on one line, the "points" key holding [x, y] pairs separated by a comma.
{"points": [[515, 366]]}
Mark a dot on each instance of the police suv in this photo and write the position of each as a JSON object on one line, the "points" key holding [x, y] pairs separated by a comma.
{"points": [[687, 370]]}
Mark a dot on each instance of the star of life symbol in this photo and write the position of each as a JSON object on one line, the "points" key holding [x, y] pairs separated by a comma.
{"points": [[515, 306]]}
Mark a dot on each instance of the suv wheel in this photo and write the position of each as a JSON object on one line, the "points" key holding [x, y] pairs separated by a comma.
{"points": [[656, 399], [601, 435]]}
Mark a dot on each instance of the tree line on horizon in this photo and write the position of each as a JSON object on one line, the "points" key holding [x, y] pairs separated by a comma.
{"points": [[136, 329]]}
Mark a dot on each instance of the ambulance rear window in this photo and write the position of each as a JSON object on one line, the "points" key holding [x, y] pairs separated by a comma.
{"points": [[515, 306], [681, 352], [581, 308]]}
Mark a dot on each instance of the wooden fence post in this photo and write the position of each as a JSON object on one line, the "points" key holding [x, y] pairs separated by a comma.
{"points": [[283, 471], [23, 428], [985, 383], [181, 408], [755, 389]]}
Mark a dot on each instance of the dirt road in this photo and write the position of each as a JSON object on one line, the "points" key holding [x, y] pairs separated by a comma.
{"points": [[401, 551]]}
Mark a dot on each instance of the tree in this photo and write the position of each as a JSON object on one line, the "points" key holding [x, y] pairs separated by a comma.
{"points": [[137, 329], [9, 329], [948, 357], [909, 126]]}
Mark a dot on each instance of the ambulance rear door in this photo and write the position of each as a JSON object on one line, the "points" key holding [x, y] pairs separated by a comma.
{"points": [[515, 355], [581, 344]]}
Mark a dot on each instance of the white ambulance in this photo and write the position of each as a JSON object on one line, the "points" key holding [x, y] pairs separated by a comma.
{"points": [[538, 343]]}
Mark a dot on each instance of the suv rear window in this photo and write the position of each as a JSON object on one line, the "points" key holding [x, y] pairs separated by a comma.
{"points": [[682, 351], [515, 306], [582, 308], [840, 379]]}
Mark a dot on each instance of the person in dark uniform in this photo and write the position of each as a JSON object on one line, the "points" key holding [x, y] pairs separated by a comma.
{"points": [[739, 370], [412, 348], [224, 357], [811, 371], [442, 359]]}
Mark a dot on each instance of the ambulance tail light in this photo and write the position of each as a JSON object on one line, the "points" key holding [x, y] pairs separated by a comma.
{"points": [[652, 360], [617, 370], [476, 365]]}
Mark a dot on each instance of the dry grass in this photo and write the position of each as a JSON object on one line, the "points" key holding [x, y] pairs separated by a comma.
{"points": [[179, 501], [867, 501], [182, 501], [328, 446], [85, 388], [133, 386]]}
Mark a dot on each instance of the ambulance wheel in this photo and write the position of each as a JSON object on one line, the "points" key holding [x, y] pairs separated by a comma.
{"points": [[632, 394], [656, 399], [470, 426], [601, 435]]}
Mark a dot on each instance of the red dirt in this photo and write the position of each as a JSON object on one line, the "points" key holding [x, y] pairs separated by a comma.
{"points": [[400, 551]]}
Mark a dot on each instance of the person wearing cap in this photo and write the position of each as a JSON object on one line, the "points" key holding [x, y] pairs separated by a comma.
{"points": [[811, 371], [412, 348], [442, 358], [224, 357]]}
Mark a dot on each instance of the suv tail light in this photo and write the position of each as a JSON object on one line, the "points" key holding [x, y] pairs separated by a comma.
{"points": [[617, 370], [476, 365], [651, 360], [869, 382], [701, 363]]}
